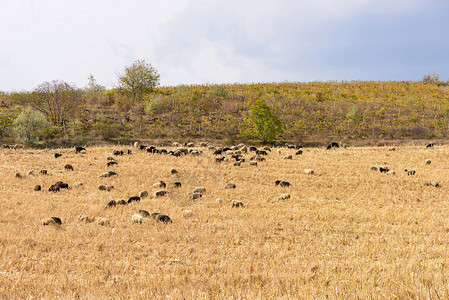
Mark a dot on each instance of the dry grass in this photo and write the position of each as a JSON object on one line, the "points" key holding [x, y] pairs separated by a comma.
{"points": [[346, 232]]}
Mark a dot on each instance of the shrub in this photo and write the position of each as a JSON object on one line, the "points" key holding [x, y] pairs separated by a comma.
{"points": [[30, 126]]}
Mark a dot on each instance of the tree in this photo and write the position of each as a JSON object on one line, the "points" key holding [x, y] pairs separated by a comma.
{"points": [[29, 126], [57, 100], [139, 78], [261, 122], [93, 89]]}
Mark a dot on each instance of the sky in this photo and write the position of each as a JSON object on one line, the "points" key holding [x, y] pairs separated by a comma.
{"points": [[215, 42]]}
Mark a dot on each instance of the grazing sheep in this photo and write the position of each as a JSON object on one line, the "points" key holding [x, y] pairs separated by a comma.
{"points": [[384, 169], [122, 202], [30, 172], [43, 172], [110, 204], [117, 152], [18, 146], [309, 171], [104, 222], [282, 183], [177, 184], [237, 163], [110, 158], [160, 193], [284, 196], [428, 161], [102, 187], [391, 149], [51, 221], [163, 218], [373, 168], [54, 188], [176, 144], [299, 152], [252, 148], [84, 218], [111, 163], [236, 203], [219, 201], [37, 188], [332, 145], [410, 172], [109, 188], [230, 186], [134, 198], [187, 213], [391, 172], [108, 174], [136, 144], [68, 167], [196, 195], [79, 149], [77, 184], [253, 163], [261, 152], [143, 194], [433, 183], [288, 157], [278, 151], [203, 144], [199, 189], [430, 145], [18, 175], [220, 159], [62, 185], [58, 155], [137, 219], [144, 213], [160, 185]]}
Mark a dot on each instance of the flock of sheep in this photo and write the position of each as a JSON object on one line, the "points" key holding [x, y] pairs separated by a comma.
{"points": [[236, 154]]}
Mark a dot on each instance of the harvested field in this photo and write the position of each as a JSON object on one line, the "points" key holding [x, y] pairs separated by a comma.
{"points": [[346, 232]]}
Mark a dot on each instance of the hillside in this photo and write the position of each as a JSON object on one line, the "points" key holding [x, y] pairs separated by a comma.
{"points": [[310, 112]]}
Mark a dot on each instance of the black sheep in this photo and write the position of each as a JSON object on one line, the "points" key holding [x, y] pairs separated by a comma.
{"points": [[78, 149], [134, 198]]}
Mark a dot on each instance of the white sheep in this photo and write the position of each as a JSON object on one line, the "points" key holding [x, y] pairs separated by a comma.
{"points": [[199, 189], [104, 222], [288, 157], [428, 161], [187, 213], [77, 184], [284, 196], [309, 171], [137, 218]]}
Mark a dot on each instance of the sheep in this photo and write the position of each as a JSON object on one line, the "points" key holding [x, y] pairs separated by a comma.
{"points": [[68, 167], [110, 158], [30, 172], [199, 189], [230, 186], [117, 152], [218, 200], [134, 198], [284, 196], [373, 168], [332, 145], [51, 221], [187, 213], [109, 188], [62, 185], [278, 151], [144, 213], [299, 152], [37, 188], [391, 149], [84, 218], [79, 149], [252, 148], [58, 155], [309, 171], [176, 144], [137, 219], [110, 204], [177, 184], [143, 194], [102, 187], [104, 222], [288, 157], [122, 202], [384, 169], [43, 172], [430, 145], [220, 159], [282, 183], [237, 163], [196, 195], [428, 161], [410, 172], [203, 144], [54, 188], [253, 163], [111, 163], [160, 193], [77, 184], [190, 145], [261, 152], [136, 144], [160, 185], [108, 174], [391, 172], [433, 183], [18, 175], [236, 203], [18, 146], [163, 218]]}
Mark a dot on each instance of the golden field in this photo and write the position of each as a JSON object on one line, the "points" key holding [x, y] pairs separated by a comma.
{"points": [[347, 232]]}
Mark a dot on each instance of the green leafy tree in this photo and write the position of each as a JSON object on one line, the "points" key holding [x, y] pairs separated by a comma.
{"points": [[261, 122], [57, 100], [139, 78], [29, 126]]}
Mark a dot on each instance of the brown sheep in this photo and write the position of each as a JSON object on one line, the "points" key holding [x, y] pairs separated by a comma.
{"points": [[68, 167]]}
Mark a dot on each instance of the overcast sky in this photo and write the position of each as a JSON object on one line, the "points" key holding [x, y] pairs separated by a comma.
{"points": [[207, 41]]}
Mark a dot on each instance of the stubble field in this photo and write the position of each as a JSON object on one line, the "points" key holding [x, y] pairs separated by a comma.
{"points": [[346, 232]]}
